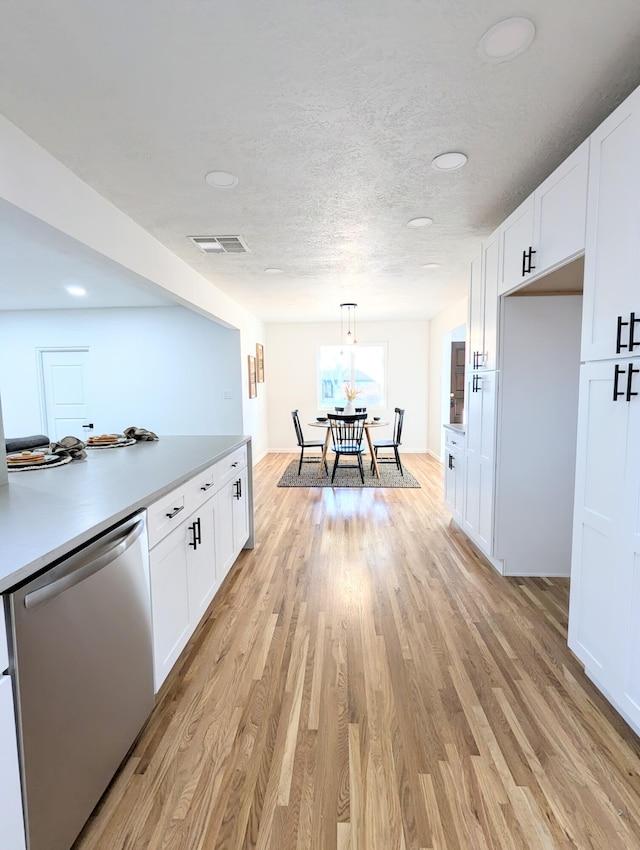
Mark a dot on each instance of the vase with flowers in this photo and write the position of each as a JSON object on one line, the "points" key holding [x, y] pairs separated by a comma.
{"points": [[350, 393]]}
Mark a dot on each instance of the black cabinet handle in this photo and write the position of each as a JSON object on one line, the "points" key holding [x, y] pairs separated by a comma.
{"points": [[619, 344], [234, 464], [175, 511], [616, 375], [238, 488], [89, 426], [632, 324], [531, 253], [476, 386], [197, 522], [193, 542], [524, 263], [630, 374], [206, 486], [451, 464]]}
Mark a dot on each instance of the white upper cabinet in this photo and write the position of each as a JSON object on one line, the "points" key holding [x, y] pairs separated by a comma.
{"points": [[483, 308], [548, 229], [490, 254], [560, 211], [475, 336], [516, 243], [612, 258]]}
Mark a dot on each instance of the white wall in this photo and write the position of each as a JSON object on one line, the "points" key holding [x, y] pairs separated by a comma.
{"points": [[35, 181], [291, 365], [161, 368], [440, 326], [536, 446]]}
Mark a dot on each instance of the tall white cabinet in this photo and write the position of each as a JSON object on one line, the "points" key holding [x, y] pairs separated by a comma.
{"points": [[604, 616]]}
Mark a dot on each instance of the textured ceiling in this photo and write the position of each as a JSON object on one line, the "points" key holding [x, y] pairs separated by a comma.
{"points": [[330, 114]]}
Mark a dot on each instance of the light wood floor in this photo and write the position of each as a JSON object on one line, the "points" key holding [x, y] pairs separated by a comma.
{"points": [[364, 681]]}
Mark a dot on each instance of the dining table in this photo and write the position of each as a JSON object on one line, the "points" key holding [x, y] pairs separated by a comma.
{"points": [[369, 423]]}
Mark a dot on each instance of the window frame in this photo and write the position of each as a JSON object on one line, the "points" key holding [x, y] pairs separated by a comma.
{"points": [[350, 354]]}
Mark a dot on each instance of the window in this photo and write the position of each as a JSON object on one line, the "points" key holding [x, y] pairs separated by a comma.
{"points": [[363, 365]]}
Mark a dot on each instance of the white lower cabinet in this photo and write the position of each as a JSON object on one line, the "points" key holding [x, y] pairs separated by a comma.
{"points": [[604, 614], [240, 510], [201, 559], [183, 583], [188, 564], [169, 601], [454, 474], [12, 834]]}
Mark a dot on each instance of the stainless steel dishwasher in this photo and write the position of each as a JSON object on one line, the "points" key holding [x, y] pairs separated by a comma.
{"points": [[82, 663]]}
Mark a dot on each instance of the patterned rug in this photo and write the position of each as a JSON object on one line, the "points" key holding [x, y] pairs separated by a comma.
{"points": [[389, 477]]}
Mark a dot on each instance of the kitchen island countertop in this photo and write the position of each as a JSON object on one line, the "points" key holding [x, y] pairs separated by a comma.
{"points": [[46, 513]]}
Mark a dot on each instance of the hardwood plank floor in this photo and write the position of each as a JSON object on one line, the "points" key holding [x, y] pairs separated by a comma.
{"points": [[365, 681]]}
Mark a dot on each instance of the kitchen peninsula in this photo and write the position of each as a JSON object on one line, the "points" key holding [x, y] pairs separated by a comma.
{"points": [[44, 514], [108, 565]]}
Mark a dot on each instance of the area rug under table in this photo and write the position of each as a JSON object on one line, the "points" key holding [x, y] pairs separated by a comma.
{"points": [[389, 477]]}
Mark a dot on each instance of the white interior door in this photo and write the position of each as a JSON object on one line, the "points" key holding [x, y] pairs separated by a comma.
{"points": [[64, 383]]}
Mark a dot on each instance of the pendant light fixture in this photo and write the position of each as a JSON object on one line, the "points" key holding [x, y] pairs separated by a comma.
{"points": [[348, 321]]}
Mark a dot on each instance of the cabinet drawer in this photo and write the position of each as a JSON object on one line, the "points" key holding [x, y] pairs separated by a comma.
{"points": [[454, 442], [201, 487], [230, 465], [165, 514], [4, 655]]}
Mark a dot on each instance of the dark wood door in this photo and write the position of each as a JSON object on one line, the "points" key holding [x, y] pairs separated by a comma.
{"points": [[456, 392]]}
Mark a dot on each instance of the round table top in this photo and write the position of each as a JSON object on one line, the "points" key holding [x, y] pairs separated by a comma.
{"points": [[369, 423]]}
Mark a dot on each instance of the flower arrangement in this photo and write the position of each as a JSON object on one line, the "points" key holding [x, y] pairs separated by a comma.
{"points": [[351, 392]]}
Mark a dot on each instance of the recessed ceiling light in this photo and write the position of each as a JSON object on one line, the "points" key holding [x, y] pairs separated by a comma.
{"points": [[420, 222], [506, 40], [449, 161], [221, 179], [431, 266], [273, 270], [78, 291]]}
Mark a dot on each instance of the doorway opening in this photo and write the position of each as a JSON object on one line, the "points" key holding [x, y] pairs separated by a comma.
{"points": [[456, 384]]}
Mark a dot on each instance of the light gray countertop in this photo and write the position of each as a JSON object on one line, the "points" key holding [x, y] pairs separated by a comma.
{"points": [[460, 429], [45, 513]]}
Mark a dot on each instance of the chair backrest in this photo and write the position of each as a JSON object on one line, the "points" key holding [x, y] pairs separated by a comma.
{"points": [[347, 432], [296, 425], [361, 409], [338, 409], [397, 426]]}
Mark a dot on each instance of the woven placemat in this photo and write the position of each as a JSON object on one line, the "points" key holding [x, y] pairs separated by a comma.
{"points": [[33, 466]]}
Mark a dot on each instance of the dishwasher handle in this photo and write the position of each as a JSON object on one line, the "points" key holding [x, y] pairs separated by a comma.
{"points": [[99, 556]]}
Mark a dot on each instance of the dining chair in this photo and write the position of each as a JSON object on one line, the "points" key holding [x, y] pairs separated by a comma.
{"points": [[306, 444], [392, 444], [346, 436]]}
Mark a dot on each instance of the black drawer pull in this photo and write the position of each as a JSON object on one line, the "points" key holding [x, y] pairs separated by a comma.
{"points": [[206, 486], [175, 511]]}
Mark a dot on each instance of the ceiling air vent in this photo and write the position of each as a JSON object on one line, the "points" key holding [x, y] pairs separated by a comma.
{"points": [[220, 244]]}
